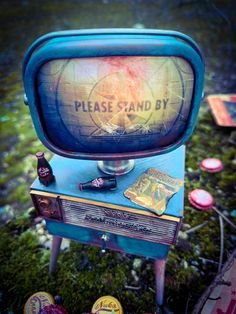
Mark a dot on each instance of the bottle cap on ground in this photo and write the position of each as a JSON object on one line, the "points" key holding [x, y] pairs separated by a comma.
{"points": [[211, 165], [39, 154], [201, 199], [38, 301], [107, 304]]}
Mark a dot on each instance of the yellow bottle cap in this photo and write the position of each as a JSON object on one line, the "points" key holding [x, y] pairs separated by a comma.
{"points": [[38, 301], [107, 304]]}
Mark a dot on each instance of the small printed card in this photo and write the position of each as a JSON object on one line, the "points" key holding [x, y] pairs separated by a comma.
{"points": [[153, 189], [223, 108]]}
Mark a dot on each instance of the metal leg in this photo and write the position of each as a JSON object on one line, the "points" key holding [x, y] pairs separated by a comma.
{"points": [[55, 250], [160, 265]]}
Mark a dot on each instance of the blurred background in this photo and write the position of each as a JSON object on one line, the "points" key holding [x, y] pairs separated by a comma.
{"points": [[82, 276]]}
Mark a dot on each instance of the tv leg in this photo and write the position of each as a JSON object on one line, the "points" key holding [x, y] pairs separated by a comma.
{"points": [[55, 250], [160, 265]]}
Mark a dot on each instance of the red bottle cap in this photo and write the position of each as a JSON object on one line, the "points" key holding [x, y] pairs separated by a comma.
{"points": [[53, 309], [201, 199], [211, 165]]}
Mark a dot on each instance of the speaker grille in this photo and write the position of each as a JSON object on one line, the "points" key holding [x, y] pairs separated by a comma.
{"points": [[119, 222]]}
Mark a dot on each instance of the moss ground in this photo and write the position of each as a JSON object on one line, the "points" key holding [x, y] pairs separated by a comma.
{"points": [[83, 275]]}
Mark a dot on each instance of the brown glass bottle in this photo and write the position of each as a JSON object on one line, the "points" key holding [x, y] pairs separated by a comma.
{"points": [[102, 183], [44, 170]]}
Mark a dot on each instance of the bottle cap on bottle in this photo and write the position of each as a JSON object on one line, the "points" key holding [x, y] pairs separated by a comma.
{"points": [[39, 154]]}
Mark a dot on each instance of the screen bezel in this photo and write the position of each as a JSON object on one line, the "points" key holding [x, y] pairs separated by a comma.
{"points": [[103, 45]]}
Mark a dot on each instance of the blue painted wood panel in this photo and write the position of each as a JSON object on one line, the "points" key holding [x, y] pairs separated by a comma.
{"points": [[70, 172]]}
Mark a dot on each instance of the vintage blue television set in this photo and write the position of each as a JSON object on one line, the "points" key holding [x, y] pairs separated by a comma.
{"points": [[112, 96]]}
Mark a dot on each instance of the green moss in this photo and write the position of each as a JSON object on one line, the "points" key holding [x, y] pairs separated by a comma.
{"points": [[24, 270], [19, 194]]}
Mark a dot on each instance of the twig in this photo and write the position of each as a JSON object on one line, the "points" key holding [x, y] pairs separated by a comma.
{"points": [[132, 288], [224, 217], [197, 227], [207, 260]]}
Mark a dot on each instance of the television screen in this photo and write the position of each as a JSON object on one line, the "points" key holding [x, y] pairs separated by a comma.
{"points": [[115, 104]]}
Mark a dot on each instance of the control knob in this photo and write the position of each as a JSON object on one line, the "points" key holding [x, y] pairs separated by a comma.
{"points": [[44, 202]]}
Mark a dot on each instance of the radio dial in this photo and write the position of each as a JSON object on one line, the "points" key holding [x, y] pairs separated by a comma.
{"points": [[44, 202]]}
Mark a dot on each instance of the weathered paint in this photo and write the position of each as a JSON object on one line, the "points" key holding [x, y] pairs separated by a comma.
{"points": [[69, 173]]}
